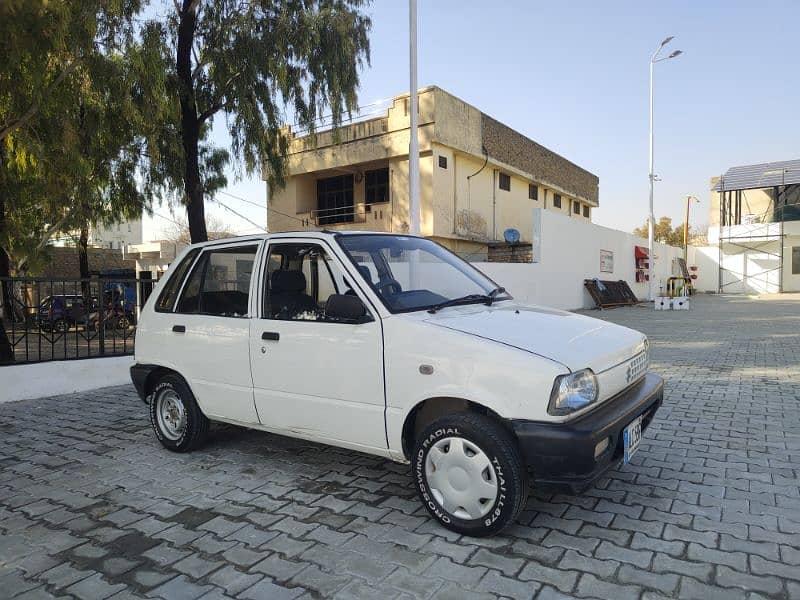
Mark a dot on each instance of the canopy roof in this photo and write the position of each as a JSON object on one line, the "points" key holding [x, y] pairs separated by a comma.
{"points": [[764, 175]]}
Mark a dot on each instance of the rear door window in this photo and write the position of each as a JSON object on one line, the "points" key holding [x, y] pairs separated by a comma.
{"points": [[219, 284]]}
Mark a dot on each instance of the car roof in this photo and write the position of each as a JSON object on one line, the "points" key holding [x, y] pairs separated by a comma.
{"points": [[314, 234]]}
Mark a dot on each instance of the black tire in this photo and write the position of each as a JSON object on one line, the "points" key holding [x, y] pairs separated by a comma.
{"points": [[60, 326], [504, 456], [194, 432]]}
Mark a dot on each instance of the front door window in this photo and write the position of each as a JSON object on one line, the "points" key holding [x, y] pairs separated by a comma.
{"points": [[300, 279]]}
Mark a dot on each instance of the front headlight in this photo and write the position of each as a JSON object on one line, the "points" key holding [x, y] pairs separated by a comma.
{"points": [[573, 392]]}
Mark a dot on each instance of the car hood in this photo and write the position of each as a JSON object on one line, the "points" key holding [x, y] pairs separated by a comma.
{"points": [[575, 341]]}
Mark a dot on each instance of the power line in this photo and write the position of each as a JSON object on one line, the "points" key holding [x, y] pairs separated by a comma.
{"points": [[242, 199], [269, 208], [241, 216]]}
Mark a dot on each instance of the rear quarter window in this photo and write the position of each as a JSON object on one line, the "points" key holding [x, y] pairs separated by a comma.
{"points": [[166, 300]]}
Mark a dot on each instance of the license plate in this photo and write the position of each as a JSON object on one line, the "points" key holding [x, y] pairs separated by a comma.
{"points": [[631, 438]]}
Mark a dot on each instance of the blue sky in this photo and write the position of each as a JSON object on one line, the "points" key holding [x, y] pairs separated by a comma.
{"points": [[574, 77]]}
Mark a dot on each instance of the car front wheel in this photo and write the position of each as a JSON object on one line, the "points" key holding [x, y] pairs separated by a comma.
{"points": [[177, 420], [469, 474]]}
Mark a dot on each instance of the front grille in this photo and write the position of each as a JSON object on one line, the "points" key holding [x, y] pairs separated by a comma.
{"points": [[637, 367]]}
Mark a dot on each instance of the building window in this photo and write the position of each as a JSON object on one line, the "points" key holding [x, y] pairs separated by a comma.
{"points": [[796, 260], [505, 182], [335, 200], [557, 200], [376, 186], [576, 208], [586, 211], [443, 162], [533, 191]]}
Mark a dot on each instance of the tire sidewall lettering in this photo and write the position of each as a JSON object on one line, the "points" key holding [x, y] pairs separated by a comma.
{"points": [[430, 502]]}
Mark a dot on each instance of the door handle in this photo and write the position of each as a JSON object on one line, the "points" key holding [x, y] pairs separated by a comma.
{"points": [[271, 335], [179, 328]]}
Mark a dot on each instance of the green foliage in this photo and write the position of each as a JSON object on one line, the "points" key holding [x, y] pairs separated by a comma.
{"points": [[663, 232], [69, 120]]}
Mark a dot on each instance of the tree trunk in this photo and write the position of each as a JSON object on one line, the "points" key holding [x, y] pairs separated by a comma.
{"points": [[6, 352], [190, 125], [83, 262]]}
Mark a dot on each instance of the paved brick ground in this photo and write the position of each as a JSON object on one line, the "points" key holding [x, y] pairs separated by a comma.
{"points": [[92, 507]]}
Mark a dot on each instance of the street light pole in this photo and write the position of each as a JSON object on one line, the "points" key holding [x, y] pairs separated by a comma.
{"points": [[413, 131], [651, 215], [689, 199], [651, 218]]}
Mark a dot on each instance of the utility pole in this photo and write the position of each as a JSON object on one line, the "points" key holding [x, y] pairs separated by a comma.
{"points": [[689, 199], [413, 131]]}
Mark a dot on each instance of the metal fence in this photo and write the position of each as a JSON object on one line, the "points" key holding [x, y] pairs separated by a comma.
{"points": [[60, 319]]}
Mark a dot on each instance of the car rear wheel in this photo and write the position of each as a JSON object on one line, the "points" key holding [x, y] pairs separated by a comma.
{"points": [[177, 420], [469, 474], [60, 326]]}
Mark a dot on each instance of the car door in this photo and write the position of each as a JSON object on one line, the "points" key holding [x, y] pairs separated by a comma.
{"points": [[314, 377], [205, 334]]}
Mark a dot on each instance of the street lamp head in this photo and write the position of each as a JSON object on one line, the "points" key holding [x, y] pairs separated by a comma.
{"points": [[676, 53], [667, 40]]}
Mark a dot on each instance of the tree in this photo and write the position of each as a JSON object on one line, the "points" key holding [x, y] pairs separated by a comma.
{"points": [[663, 232], [55, 84], [249, 62]]}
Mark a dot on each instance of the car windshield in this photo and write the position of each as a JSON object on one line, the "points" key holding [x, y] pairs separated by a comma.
{"points": [[411, 273]]}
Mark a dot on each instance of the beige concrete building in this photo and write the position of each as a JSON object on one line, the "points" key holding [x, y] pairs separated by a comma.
{"points": [[478, 177]]}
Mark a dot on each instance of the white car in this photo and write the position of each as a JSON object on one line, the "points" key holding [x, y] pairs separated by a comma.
{"points": [[392, 345]]}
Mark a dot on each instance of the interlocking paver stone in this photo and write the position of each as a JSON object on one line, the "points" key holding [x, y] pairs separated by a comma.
{"points": [[709, 507]]}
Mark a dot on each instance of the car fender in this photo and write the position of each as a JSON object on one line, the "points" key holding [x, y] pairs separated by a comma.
{"points": [[423, 361]]}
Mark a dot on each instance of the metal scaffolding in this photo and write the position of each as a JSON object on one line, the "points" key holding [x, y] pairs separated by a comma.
{"points": [[764, 237]]}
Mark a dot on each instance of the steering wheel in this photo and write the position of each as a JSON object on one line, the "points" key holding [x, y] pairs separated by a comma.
{"points": [[391, 286]]}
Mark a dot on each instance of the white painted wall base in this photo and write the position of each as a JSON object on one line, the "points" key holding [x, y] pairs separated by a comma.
{"points": [[22, 382]]}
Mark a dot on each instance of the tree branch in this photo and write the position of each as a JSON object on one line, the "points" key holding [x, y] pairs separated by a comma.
{"points": [[48, 233], [218, 103], [36, 104]]}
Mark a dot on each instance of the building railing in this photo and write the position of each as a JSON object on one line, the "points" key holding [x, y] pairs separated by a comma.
{"points": [[339, 216], [62, 319]]}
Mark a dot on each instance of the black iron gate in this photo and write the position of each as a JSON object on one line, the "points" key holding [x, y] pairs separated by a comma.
{"points": [[60, 319]]}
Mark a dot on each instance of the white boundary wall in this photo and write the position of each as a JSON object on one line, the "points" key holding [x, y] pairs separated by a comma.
{"points": [[566, 251], [22, 382]]}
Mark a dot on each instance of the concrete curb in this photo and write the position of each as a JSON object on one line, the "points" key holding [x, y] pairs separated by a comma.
{"points": [[23, 382]]}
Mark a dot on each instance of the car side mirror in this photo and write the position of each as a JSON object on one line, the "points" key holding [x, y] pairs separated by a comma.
{"points": [[346, 309]]}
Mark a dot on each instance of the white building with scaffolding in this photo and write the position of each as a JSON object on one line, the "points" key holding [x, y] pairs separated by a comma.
{"points": [[755, 224]]}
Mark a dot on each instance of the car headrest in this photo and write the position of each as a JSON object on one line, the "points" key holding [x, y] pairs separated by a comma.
{"points": [[287, 281], [364, 270]]}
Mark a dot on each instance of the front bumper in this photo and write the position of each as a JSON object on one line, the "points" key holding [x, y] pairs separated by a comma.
{"points": [[561, 456]]}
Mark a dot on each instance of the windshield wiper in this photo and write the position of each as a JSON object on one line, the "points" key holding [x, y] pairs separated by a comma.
{"points": [[468, 299], [493, 294]]}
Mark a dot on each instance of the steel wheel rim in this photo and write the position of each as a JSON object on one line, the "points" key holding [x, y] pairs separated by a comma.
{"points": [[461, 478], [171, 414]]}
